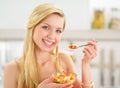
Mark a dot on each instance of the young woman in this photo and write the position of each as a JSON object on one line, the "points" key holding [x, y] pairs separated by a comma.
{"points": [[41, 57]]}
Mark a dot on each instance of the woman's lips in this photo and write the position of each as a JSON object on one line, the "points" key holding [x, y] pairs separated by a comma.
{"points": [[48, 43]]}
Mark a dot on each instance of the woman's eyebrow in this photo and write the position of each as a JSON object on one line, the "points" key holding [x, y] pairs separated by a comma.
{"points": [[45, 23]]}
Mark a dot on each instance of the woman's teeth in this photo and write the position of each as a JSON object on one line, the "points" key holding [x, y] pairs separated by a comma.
{"points": [[48, 42]]}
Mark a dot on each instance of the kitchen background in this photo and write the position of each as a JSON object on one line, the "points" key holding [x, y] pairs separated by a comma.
{"points": [[86, 19]]}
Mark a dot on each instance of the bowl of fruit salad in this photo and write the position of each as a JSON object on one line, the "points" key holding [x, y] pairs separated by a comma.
{"points": [[63, 77]]}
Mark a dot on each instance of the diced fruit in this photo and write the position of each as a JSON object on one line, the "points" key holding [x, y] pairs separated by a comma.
{"points": [[64, 77], [72, 46]]}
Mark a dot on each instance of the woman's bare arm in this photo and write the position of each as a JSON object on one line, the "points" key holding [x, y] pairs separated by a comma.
{"points": [[10, 75]]}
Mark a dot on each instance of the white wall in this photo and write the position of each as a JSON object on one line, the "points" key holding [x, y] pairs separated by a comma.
{"points": [[14, 13]]}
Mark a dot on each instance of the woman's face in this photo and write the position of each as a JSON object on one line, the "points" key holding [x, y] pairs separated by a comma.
{"points": [[47, 34]]}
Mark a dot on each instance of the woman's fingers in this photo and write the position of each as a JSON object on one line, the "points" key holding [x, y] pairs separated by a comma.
{"points": [[90, 51], [65, 85], [94, 44]]}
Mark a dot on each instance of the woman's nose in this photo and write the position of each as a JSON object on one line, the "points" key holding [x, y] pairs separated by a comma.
{"points": [[51, 35]]}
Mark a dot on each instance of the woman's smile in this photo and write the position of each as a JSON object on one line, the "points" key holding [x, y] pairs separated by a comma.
{"points": [[48, 43]]}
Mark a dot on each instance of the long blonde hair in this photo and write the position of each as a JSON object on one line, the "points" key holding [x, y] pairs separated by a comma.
{"points": [[29, 73]]}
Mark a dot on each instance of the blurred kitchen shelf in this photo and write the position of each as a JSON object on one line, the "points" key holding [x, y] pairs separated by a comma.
{"points": [[103, 35], [12, 34]]}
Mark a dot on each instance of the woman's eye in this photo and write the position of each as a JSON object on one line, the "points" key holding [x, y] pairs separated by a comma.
{"points": [[45, 27], [58, 31]]}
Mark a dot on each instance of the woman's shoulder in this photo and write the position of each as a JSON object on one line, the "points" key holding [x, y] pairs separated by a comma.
{"points": [[65, 57], [11, 74], [64, 54], [11, 67]]}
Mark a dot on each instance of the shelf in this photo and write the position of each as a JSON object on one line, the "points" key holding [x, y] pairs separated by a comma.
{"points": [[12, 34], [103, 35]]}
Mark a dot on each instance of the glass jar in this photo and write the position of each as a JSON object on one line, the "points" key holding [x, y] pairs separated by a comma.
{"points": [[98, 19], [115, 19]]}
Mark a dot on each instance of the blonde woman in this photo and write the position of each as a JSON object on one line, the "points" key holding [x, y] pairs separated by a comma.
{"points": [[41, 58]]}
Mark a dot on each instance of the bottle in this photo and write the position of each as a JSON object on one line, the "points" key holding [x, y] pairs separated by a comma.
{"points": [[98, 20], [115, 19]]}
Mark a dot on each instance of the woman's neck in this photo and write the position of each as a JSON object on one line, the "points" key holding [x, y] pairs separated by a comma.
{"points": [[42, 57]]}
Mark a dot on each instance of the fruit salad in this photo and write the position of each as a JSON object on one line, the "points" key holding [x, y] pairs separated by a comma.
{"points": [[72, 46], [64, 77]]}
